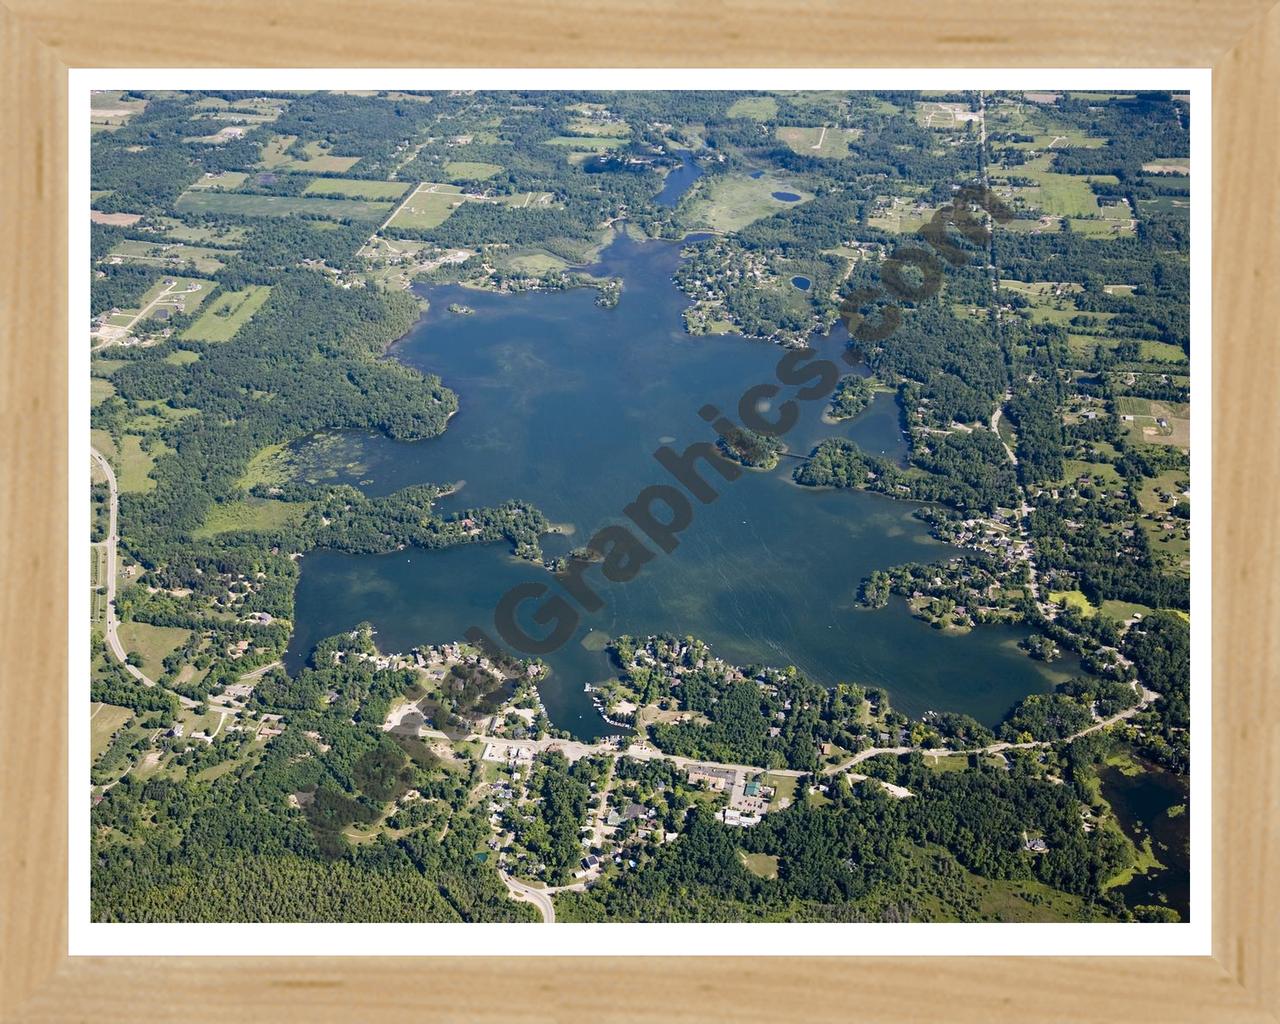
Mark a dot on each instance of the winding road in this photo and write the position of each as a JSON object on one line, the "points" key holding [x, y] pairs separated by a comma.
{"points": [[109, 544]]}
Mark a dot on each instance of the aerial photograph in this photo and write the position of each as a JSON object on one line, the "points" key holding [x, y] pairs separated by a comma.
{"points": [[639, 506]]}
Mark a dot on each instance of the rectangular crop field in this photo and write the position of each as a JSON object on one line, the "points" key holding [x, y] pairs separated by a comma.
{"points": [[356, 188], [280, 206], [230, 312]]}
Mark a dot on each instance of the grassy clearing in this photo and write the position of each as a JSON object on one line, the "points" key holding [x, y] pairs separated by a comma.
{"points": [[154, 643], [100, 390], [832, 143], [732, 201], [536, 263], [760, 108], [316, 157], [235, 203], [1073, 599], [947, 763], [182, 357], [762, 865], [1064, 195], [104, 721], [1073, 469], [228, 314], [258, 514], [470, 170], [269, 466], [135, 464], [1122, 610], [357, 188]]}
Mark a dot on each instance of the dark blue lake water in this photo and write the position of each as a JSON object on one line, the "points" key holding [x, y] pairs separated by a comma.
{"points": [[678, 180], [563, 403]]}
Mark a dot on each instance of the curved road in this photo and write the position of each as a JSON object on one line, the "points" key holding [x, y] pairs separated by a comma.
{"points": [[540, 898], [113, 623]]}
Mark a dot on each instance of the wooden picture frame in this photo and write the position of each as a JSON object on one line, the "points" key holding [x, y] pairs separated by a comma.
{"points": [[41, 39]]}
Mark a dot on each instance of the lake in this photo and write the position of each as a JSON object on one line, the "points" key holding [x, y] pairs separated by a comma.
{"points": [[678, 180], [562, 403]]}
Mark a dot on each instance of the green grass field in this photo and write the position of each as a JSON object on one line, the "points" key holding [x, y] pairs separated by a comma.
{"points": [[182, 357], [317, 159], [732, 201], [1073, 599], [216, 203], [536, 264], [134, 465], [827, 142], [470, 170], [1064, 195], [760, 108], [100, 390], [250, 514], [429, 205], [226, 315], [762, 865], [356, 188], [784, 788], [154, 643], [104, 721]]}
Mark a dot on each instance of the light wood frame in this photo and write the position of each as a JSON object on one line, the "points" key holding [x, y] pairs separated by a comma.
{"points": [[41, 39]]}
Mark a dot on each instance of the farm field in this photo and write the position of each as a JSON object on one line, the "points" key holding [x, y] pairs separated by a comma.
{"points": [[280, 206], [226, 315], [427, 206], [357, 188], [733, 201], [109, 109], [432, 203]]}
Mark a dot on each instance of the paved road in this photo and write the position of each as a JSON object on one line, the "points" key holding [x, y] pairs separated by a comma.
{"points": [[540, 898]]}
